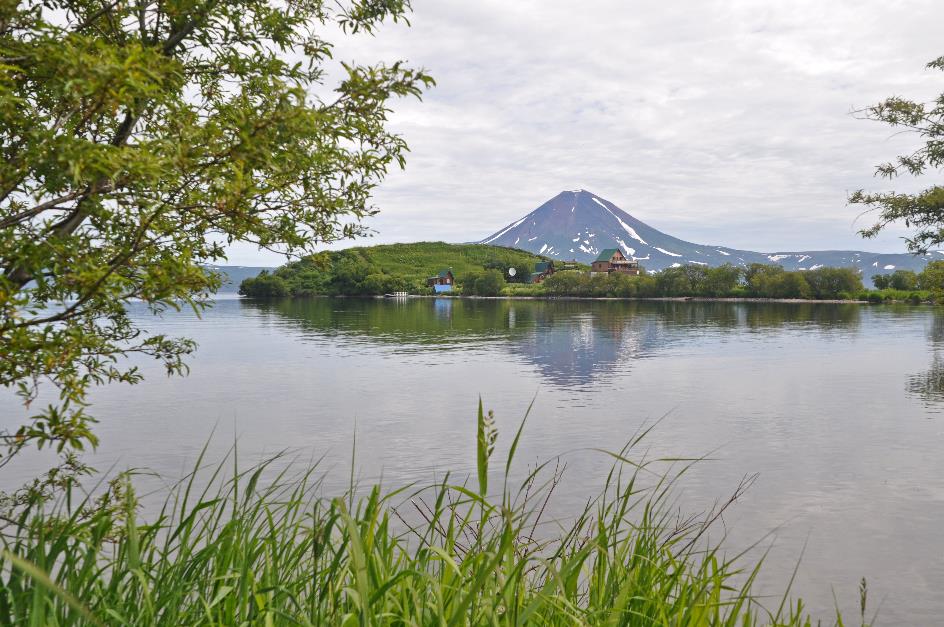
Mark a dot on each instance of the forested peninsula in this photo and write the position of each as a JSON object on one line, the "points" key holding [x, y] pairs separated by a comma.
{"points": [[483, 270]]}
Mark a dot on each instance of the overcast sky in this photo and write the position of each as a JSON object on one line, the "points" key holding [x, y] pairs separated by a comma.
{"points": [[717, 121]]}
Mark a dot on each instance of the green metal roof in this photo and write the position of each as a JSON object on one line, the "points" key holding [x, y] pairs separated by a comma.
{"points": [[443, 273], [606, 254]]}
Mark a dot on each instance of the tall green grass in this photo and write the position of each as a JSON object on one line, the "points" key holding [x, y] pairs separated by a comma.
{"points": [[266, 547]]}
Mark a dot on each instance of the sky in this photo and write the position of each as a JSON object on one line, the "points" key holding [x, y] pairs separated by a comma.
{"points": [[726, 122]]}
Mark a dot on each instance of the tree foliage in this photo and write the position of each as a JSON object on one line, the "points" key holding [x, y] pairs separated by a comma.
{"points": [[904, 280], [923, 211], [766, 281], [264, 286], [757, 280], [386, 268], [504, 266], [828, 283], [932, 279], [138, 139], [487, 283]]}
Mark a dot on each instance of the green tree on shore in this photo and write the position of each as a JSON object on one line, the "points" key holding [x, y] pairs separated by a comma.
{"points": [[923, 211], [833, 282], [767, 281], [264, 286], [138, 139], [487, 283], [904, 280], [932, 279]]}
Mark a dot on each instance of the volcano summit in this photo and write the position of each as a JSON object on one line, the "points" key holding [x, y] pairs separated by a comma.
{"points": [[578, 225]]}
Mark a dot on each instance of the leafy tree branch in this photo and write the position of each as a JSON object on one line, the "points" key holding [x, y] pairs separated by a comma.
{"points": [[138, 139]]}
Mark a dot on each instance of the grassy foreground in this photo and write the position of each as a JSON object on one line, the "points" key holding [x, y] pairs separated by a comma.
{"points": [[253, 551]]}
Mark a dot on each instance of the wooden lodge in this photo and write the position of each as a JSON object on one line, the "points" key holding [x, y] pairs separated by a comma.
{"points": [[613, 260], [542, 270], [442, 282]]}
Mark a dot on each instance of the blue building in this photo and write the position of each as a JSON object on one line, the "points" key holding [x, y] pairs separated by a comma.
{"points": [[442, 282]]}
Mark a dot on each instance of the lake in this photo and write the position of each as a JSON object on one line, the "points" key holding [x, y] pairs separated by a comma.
{"points": [[837, 408]]}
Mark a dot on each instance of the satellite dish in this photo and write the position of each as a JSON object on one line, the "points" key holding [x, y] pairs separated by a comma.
{"points": [[512, 272]]}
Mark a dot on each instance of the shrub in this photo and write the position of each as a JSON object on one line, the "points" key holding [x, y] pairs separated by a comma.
{"points": [[523, 289], [569, 283], [264, 286], [932, 278], [489, 283], [903, 280], [831, 283]]}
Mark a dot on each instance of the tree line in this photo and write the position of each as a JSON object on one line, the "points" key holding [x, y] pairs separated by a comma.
{"points": [[757, 281], [353, 275]]}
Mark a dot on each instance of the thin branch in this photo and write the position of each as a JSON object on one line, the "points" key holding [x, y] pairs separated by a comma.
{"points": [[49, 204], [91, 19]]}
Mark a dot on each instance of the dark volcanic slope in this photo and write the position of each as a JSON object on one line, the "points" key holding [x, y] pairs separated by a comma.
{"points": [[578, 225]]}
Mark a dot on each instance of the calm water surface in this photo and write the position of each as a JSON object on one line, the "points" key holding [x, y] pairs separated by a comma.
{"points": [[837, 407]]}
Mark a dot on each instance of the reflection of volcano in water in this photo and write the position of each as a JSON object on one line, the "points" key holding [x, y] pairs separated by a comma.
{"points": [[587, 347], [572, 343]]}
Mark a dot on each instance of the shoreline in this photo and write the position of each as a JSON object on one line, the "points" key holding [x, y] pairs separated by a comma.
{"points": [[699, 299]]}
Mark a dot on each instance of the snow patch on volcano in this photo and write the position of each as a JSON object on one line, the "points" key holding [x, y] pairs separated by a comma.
{"points": [[500, 233]]}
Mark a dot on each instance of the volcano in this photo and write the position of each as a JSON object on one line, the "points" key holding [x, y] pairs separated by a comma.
{"points": [[578, 225]]}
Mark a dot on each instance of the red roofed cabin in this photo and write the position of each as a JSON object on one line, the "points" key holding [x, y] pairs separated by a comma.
{"points": [[613, 260], [542, 270]]}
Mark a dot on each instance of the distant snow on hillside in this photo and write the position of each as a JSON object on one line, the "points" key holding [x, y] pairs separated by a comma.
{"points": [[577, 225]]}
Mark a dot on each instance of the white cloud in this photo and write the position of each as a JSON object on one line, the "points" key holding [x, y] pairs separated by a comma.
{"points": [[724, 122]]}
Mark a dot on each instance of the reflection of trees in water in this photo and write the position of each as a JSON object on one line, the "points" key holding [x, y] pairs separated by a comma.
{"points": [[572, 342], [823, 317], [432, 322], [929, 385], [819, 316]]}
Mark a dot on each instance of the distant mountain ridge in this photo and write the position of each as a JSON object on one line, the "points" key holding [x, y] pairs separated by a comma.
{"points": [[579, 224]]}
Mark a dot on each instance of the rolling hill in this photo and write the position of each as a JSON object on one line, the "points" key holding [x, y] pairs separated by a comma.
{"points": [[419, 260], [366, 270]]}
